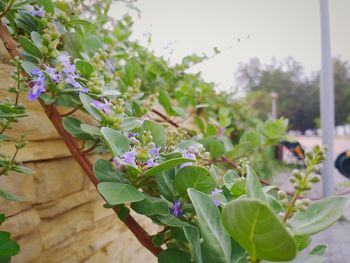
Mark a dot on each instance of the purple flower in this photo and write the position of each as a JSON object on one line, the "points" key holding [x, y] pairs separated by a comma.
{"points": [[129, 158], [39, 11], [154, 152], [117, 162], [39, 84], [151, 163], [175, 210], [70, 80], [214, 195], [132, 134], [110, 65], [53, 73], [68, 67], [189, 155], [101, 106]]}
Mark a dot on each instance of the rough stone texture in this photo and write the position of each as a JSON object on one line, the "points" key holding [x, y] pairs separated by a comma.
{"points": [[57, 178], [62, 219]]}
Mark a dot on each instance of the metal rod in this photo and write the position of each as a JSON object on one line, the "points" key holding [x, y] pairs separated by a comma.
{"points": [[327, 100]]}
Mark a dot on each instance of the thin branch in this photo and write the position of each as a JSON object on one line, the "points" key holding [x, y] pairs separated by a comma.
{"points": [[56, 119], [165, 118], [69, 112]]}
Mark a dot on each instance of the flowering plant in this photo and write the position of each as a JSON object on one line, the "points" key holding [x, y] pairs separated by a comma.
{"points": [[194, 183]]}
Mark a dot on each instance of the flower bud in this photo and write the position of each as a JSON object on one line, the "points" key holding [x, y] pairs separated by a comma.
{"points": [[315, 178]]}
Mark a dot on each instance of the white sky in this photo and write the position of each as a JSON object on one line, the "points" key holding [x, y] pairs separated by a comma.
{"points": [[266, 29]]}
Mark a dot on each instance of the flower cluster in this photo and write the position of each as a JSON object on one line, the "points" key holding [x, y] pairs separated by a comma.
{"points": [[36, 11], [175, 210], [67, 76], [102, 106]]}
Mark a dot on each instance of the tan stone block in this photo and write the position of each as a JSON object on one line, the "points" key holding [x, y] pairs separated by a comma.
{"points": [[84, 244], [38, 150], [99, 211], [21, 223], [63, 226], [57, 178], [31, 247], [53, 208], [21, 185]]}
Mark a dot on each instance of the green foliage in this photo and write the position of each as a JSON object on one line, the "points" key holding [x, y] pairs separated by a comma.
{"points": [[176, 174]]}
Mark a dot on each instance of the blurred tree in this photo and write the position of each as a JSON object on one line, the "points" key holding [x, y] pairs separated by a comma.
{"points": [[298, 94]]}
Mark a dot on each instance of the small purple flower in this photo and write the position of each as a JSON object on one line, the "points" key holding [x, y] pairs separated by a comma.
{"points": [[132, 134], [70, 80], [129, 158], [39, 84], [110, 65], [154, 152], [189, 155], [38, 11], [214, 196], [53, 73], [117, 162], [151, 163], [68, 67], [175, 210], [101, 106]]}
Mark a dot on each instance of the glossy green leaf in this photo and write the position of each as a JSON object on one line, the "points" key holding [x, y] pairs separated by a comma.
{"points": [[117, 142], [318, 216], [166, 166], [258, 230], [30, 47], [117, 193], [8, 247], [253, 186], [72, 125], [172, 255], [84, 67], [151, 206], [195, 177], [157, 130], [216, 241], [105, 172]]}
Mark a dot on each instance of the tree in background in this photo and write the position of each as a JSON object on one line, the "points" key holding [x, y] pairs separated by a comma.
{"points": [[298, 94]]}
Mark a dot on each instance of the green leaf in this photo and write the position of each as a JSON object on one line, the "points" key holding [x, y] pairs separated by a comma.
{"points": [[2, 218], [90, 129], [171, 220], [318, 250], [104, 172], [151, 206], [303, 258], [37, 38], [72, 125], [8, 247], [239, 187], [214, 146], [195, 177], [230, 178], [274, 204], [157, 130], [132, 69], [48, 6], [184, 145], [130, 123], [87, 103], [172, 255], [193, 237], [165, 101], [117, 142], [318, 216], [251, 138], [117, 193], [84, 67], [22, 169], [29, 46], [27, 66], [5, 138], [11, 197], [258, 230], [216, 242], [73, 44], [253, 186], [165, 185], [166, 166]]}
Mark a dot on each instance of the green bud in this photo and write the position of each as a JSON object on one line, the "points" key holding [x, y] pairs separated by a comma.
{"points": [[282, 195], [47, 37], [315, 178], [44, 50]]}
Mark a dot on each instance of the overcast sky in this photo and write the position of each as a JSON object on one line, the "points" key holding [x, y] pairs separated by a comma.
{"points": [[241, 29]]}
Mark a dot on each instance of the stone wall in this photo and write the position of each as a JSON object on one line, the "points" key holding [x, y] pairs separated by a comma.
{"points": [[62, 219]]}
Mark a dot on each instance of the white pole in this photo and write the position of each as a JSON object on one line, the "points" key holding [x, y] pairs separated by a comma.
{"points": [[327, 100], [274, 97]]}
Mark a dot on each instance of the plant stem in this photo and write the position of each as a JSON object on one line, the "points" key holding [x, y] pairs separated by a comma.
{"points": [[291, 205]]}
